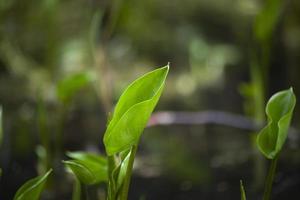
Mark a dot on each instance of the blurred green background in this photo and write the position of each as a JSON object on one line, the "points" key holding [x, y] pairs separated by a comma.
{"points": [[63, 65]]}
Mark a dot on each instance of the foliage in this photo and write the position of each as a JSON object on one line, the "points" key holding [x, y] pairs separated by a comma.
{"points": [[89, 168], [270, 140], [121, 137], [133, 111], [279, 111], [32, 189]]}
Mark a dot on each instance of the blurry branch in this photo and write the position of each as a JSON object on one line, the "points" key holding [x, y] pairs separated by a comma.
{"points": [[203, 117], [18, 63], [166, 118], [264, 26], [107, 19]]}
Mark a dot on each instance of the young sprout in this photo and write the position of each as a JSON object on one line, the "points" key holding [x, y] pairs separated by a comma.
{"points": [[33, 188], [271, 138], [121, 138], [279, 110], [89, 169], [129, 119], [133, 110]]}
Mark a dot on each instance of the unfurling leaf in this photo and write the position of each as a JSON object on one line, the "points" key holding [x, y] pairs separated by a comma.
{"points": [[279, 111], [133, 111], [123, 170], [32, 189], [88, 168]]}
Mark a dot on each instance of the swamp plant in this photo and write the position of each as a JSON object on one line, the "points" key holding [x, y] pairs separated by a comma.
{"points": [[121, 138], [123, 133], [272, 137]]}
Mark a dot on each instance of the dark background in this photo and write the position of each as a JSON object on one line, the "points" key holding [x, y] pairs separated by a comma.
{"points": [[226, 56]]}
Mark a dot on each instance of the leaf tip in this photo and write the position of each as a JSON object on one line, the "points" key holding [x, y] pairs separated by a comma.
{"points": [[165, 69], [48, 173], [168, 64], [291, 90]]}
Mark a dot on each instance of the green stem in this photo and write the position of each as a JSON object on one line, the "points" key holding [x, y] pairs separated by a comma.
{"points": [[125, 186], [111, 191], [76, 190], [258, 75], [269, 180]]}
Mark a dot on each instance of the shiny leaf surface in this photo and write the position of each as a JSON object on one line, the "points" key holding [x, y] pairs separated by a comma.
{"points": [[133, 111]]}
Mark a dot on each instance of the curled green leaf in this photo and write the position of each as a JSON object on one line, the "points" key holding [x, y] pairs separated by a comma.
{"points": [[123, 170], [88, 168], [279, 110], [32, 189], [133, 111]]}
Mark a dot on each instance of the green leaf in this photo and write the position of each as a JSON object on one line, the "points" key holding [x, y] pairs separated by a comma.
{"points": [[68, 87], [267, 19], [32, 189], [88, 168], [76, 194], [133, 111], [279, 110], [243, 193]]}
